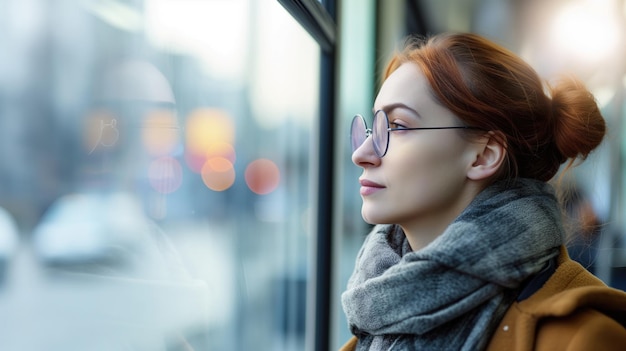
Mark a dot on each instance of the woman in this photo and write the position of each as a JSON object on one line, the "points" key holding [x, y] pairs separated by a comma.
{"points": [[468, 249]]}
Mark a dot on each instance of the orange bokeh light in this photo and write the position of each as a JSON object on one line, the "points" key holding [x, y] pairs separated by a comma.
{"points": [[160, 132], [218, 173], [262, 176], [208, 126], [210, 133], [220, 149]]}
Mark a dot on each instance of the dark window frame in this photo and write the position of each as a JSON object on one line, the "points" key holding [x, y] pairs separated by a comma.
{"points": [[318, 19]]}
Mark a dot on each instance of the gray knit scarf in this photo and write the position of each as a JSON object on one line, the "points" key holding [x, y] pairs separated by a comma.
{"points": [[452, 294]]}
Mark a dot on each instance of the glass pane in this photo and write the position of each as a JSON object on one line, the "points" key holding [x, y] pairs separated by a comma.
{"points": [[356, 89], [154, 175]]}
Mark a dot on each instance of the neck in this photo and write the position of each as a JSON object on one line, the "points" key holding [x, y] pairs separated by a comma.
{"points": [[422, 230]]}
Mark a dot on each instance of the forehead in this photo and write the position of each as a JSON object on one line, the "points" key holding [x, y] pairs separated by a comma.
{"points": [[406, 85]]}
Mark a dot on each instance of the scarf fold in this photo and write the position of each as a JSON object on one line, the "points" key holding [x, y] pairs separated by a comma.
{"points": [[451, 294]]}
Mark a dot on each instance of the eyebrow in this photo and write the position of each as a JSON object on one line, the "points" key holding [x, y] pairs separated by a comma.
{"points": [[391, 107]]}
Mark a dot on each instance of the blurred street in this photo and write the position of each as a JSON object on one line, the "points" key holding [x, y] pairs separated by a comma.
{"points": [[64, 308]]}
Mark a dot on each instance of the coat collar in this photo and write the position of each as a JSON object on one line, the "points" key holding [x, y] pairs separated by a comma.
{"points": [[570, 289]]}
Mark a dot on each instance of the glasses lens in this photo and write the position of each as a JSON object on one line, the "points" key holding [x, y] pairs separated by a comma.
{"points": [[358, 132], [380, 133]]}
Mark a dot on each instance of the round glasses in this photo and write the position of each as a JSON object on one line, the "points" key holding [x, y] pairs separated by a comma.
{"points": [[380, 132]]}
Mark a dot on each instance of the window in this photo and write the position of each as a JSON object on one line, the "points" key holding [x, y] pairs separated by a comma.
{"points": [[157, 171]]}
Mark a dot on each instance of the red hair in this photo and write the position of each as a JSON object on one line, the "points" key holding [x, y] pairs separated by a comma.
{"points": [[487, 86]]}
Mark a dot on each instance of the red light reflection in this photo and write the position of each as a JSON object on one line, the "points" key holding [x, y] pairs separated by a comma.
{"points": [[262, 176]]}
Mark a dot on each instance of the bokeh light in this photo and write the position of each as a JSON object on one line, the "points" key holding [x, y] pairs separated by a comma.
{"points": [[210, 133], [218, 173], [165, 174], [99, 129], [262, 176], [220, 149], [194, 161], [208, 126], [586, 30], [160, 133]]}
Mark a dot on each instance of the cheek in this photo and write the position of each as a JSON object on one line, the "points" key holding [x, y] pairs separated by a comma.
{"points": [[430, 159], [421, 178], [431, 174]]}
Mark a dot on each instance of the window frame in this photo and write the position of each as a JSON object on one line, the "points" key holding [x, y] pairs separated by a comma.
{"points": [[318, 19]]}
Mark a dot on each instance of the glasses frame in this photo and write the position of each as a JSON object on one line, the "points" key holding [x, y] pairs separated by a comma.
{"points": [[381, 152]]}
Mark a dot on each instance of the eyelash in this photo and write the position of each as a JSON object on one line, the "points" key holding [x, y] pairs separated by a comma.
{"points": [[397, 125]]}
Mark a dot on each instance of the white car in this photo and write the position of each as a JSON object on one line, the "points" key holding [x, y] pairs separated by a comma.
{"points": [[113, 280], [90, 227]]}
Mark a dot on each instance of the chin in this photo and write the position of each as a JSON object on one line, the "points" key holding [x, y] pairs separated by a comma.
{"points": [[370, 217], [366, 217]]}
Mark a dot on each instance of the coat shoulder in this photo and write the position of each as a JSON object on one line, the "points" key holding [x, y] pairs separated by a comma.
{"points": [[350, 345], [572, 310], [586, 329]]}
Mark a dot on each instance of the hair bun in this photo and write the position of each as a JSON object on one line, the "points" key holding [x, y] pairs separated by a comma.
{"points": [[578, 124]]}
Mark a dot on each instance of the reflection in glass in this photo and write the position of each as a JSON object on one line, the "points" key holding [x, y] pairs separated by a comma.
{"points": [[159, 176]]}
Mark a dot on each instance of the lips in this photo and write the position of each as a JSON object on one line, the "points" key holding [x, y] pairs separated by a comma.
{"points": [[369, 187]]}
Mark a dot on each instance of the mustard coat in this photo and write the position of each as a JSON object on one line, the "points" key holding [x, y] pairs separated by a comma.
{"points": [[570, 312]]}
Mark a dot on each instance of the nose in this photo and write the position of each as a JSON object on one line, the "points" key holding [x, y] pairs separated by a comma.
{"points": [[365, 156]]}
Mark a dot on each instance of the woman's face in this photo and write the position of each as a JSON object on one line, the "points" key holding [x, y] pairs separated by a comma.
{"points": [[422, 178]]}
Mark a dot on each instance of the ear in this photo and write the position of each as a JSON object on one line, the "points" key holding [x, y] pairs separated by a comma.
{"points": [[491, 153]]}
